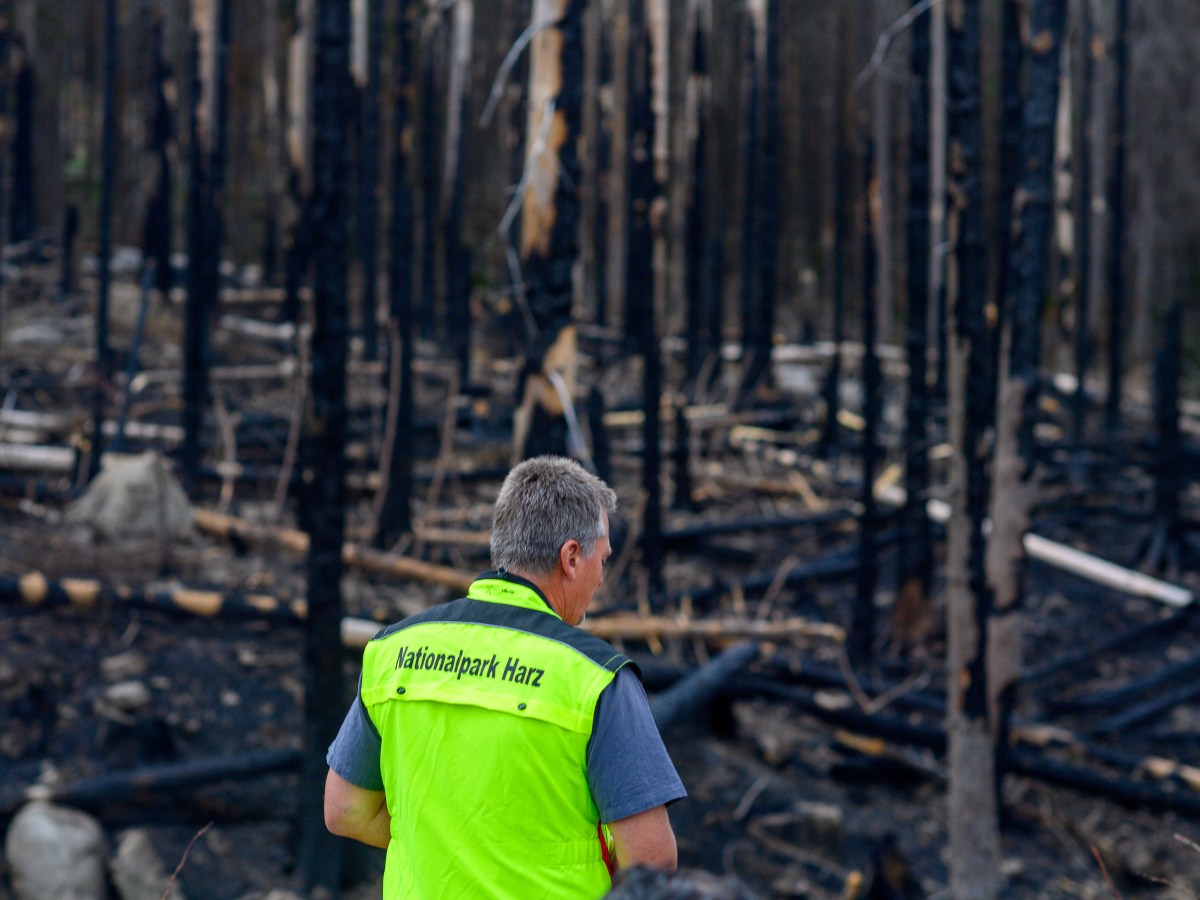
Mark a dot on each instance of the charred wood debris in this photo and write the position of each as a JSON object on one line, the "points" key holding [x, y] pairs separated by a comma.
{"points": [[759, 589]]}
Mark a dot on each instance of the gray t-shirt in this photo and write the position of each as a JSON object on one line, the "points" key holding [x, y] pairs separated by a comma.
{"points": [[628, 768]]}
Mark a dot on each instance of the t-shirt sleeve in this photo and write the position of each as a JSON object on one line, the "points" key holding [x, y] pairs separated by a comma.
{"points": [[629, 770], [354, 753]]}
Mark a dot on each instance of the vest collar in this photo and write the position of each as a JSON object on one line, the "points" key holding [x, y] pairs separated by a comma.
{"points": [[504, 587]]}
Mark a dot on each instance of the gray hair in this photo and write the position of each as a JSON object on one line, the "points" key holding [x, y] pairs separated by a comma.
{"points": [[543, 503]]}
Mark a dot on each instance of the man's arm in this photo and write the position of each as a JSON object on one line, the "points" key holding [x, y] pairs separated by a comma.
{"points": [[645, 839], [354, 812]]}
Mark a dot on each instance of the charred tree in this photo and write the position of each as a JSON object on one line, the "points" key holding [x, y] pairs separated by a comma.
{"points": [[70, 231], [1167, 550], [701, 289], [395, 513], [430, 149], [1082, 156], [760, 202], [550, 228], [845, 118], [639, 289], [298, 239], [156, 232], [366, 214], [22, 211], [973, 821], [207, 183], [861, 640], [1013, 479], [324, 493], [108, 164], [1116, 200], [912, 616], [456, 258]]}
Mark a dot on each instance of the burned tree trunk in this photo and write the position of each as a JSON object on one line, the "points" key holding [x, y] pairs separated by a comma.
{"points": [[211, 21], [108, 153], [1082, 157], [760, 195], [912, 616], [549, 228], [22, 212], [861, 643], [325, 483], [701, 289], [366, 216], [973, 821], [1013, 478], [156, 234], [298, 241], [456, 258], [395, 513], [1116, 199], [1166, 549], [639, 288], [843, 180]]}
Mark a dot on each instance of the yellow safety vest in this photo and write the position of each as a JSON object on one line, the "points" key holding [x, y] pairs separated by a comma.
{"points": [[485, 706]]}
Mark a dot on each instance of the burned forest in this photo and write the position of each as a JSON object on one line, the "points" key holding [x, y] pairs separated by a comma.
{"points": [[879, 316]]}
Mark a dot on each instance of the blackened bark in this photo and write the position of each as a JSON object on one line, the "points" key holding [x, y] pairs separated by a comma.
{"points": [[108, 164], [196, 310], [912, 615], [1167, 547], [22, 212], [1011, 57], [70, 231], [682, 458], [861, 639], [973, 823], [207, 183], [456, 257], [699, 264], [324, 470], [1116, 200], [395, 517], [156, 234], [550, 242], [843, 193], [639, 291], [1014, 476], [429, 186], [1082, 157], [367, 183], [751, 297]]}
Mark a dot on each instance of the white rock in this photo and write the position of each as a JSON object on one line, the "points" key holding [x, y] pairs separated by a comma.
{"points": [[138, 871], [134, 496], [56, 852]]}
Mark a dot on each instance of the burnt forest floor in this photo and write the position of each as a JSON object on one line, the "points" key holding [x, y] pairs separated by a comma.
{"points": [[778, 797]]}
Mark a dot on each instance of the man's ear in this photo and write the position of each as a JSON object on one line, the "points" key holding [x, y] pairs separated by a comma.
{"points": [[568, 558]]}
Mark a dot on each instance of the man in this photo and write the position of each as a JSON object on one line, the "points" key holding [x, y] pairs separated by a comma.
{"points": [[494, 749]]}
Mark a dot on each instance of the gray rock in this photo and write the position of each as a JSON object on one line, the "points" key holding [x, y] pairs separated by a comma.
{"points": [[56, 852], [134, 497], [138, 871]]}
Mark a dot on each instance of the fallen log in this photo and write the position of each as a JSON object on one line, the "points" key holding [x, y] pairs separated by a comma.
{"points": [[1076, 657], [1071, 560], [36, 589], [1179, 671], [129, 785], [365, 558], [1017, 760], [698, 686], [689, 533], [1143, 712]]}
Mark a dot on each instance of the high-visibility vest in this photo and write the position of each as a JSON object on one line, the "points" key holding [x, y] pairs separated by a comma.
{"points": [[485, 706]]}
